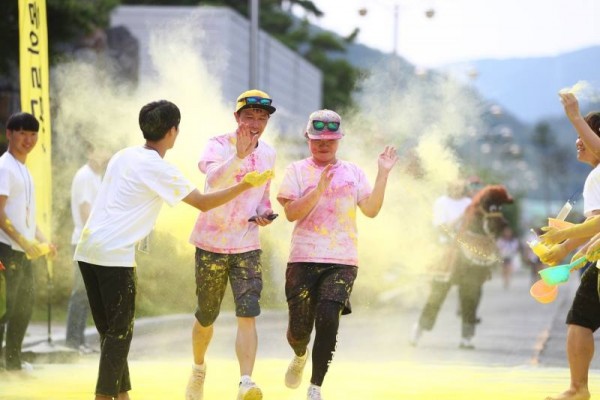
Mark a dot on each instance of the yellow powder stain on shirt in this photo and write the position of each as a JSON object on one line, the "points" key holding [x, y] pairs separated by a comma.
{"points": [[321, 230]]}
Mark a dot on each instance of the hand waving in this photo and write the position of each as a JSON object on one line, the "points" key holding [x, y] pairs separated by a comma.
{"points": [[571, 105], [325, 180], [387, 159], [246, 141]]}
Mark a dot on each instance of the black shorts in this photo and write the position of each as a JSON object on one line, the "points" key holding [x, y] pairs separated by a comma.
{"points": [[306, 281], [213, 270], [585, 310]]}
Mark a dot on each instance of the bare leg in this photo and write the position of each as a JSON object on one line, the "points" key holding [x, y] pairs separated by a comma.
{"points": [[201, 336], [580, 351], [123, 396], [246, 344]]}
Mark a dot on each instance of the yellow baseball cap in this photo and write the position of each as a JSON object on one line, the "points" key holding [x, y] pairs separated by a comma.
{"points": [[254, 99]]}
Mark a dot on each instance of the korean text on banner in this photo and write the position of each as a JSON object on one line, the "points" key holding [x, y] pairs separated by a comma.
{"points": [[35, 99]]}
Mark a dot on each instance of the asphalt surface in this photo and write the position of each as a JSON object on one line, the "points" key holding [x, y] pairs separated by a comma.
{"points": [[515, 331]]}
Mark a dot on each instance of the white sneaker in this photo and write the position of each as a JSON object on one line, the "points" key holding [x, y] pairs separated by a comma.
{"points": [[314, 393], [293, 376], [249, 391], [195, 386], [26, 367], [416, 333], [466, 343]]}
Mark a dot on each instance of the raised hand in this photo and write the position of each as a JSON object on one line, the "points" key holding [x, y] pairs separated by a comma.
{"points": [[387, 159], [246, 141], [325, 180], [571, 105]]}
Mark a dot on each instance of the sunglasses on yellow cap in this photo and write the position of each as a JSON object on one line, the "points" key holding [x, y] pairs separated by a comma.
{"points": [[256, 100], [330, 125]]}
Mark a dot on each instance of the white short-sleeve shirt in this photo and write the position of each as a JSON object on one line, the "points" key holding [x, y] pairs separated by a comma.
{"points": [[447, 210], [136, 184], [225, 229], [591, 192], [328, 233], [84, 189], [16, 184]]}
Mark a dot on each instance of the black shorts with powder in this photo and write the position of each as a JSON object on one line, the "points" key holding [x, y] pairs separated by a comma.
{"points": [[585, 310], [307, 282], [213, 270]]}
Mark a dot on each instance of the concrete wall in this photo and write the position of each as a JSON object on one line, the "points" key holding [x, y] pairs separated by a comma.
{"points": [[222, 40]]}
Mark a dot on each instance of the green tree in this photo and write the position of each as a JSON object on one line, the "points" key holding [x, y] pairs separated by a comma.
{"points": [[323, 49], [67, 20]]}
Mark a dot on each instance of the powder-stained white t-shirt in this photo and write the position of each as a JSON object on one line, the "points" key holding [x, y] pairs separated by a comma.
{"points": [[447, 210], [327, 234], [16, 184], [225, 229], [136, 184]]}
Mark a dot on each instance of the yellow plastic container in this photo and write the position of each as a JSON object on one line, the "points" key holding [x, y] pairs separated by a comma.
{"points": [[43, 247], [559, 223], [543, 292], [538, 248]]}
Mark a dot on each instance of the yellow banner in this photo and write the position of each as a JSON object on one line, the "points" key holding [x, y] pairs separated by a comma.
{"points": [[35, 99]]}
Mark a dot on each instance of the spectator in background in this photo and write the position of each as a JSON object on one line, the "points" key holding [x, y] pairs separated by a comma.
{"points": [[84, 189], [509, 248], [447, 211], [20, 238]]}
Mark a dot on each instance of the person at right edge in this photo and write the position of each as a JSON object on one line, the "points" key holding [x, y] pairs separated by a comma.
{"points": [[583, 318]]}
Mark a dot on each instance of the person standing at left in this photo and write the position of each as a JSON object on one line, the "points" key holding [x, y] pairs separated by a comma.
{"points": [[20, 239]]}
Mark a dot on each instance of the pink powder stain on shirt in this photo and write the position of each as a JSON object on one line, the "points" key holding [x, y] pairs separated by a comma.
{"points": [[225, 229], [328, 233]]}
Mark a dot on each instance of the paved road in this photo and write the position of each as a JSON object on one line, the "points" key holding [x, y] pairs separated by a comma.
{"points": [[515, 331]]}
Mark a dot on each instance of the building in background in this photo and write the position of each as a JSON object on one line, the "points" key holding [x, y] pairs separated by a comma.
{"points": [[223, 45]]}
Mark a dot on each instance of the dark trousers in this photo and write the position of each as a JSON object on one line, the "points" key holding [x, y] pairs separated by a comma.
{"points": [[111, 292], [77, 311], [317, 294], [19, 303], [470, 281]]}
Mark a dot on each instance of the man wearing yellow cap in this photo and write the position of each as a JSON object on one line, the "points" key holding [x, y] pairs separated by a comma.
{"points": [[227, 240]]}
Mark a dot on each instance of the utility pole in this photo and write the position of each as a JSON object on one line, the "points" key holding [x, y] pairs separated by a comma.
{"points": [[396, 15], [254, 10]]}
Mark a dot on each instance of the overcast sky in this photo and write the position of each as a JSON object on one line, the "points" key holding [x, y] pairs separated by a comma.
{"points": [[462, 30]]}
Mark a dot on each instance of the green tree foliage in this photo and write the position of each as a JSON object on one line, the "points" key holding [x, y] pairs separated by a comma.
{"points": [[323, 49], [67, 20]]}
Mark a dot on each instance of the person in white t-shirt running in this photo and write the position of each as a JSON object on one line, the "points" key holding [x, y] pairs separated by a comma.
{"points": [[136, 184]]}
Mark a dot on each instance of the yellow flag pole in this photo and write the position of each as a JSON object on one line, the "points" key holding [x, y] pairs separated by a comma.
{"points": [[35, 99]]}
